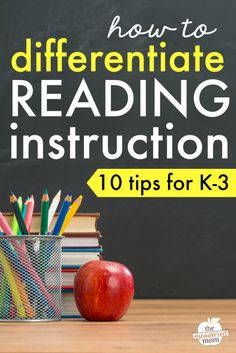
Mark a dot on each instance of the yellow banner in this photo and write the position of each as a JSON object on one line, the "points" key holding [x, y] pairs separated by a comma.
{"points": [[163, 182]]}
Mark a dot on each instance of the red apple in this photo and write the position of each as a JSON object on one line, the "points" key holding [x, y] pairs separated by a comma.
{"points": [[103, 290]]}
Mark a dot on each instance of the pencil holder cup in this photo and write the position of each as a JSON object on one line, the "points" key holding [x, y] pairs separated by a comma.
{"points": [[30, 278]]}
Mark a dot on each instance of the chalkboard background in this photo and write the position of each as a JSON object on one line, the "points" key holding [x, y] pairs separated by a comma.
{"points": [[176, 248]]}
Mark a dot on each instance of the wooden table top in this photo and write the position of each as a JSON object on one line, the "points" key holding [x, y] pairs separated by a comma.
{"points": [[149, 326]]}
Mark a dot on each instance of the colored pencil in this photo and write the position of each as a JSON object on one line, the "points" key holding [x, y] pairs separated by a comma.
{"points": [[27, 306], [5, 298], [23, 212], [15, 225], [24, 259], [44, 214], [24, 208], [28, 221], [53, 208], [72, 210], [17, 211], [24, 297], [12, 310], [5, 295], [20, 203], [62, 214], [29, 212], [12, 284], [42, 263], [4, 225]]}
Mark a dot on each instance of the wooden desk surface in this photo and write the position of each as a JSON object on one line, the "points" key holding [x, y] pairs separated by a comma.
{"points": [[149, 326]]}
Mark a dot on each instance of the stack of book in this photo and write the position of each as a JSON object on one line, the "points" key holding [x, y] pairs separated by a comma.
{"points": [[80, 245]]}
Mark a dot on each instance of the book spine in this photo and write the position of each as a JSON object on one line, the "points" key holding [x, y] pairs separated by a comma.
{"points": [[67, 289], [82, 250], [63, 316], [95, 234]]}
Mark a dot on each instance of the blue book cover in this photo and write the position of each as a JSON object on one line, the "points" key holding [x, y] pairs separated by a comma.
{"points": [[70, 266], [98, 249], [71, 317], [67, 290]]}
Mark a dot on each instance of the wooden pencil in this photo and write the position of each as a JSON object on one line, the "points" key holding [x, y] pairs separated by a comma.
{"points": [[5, 226], [72, 210], [14, 224], [43, 231], [62, 214], [23, 212], [53, 207], [29, 212], [44, 214], [17, 212], [12, 284], [24, 208]]}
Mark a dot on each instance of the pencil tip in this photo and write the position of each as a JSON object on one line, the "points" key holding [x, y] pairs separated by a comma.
{"points": [[79, 198], [46, 191], [70, 193], [11, 192], [58, 195], [27, 200]]}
